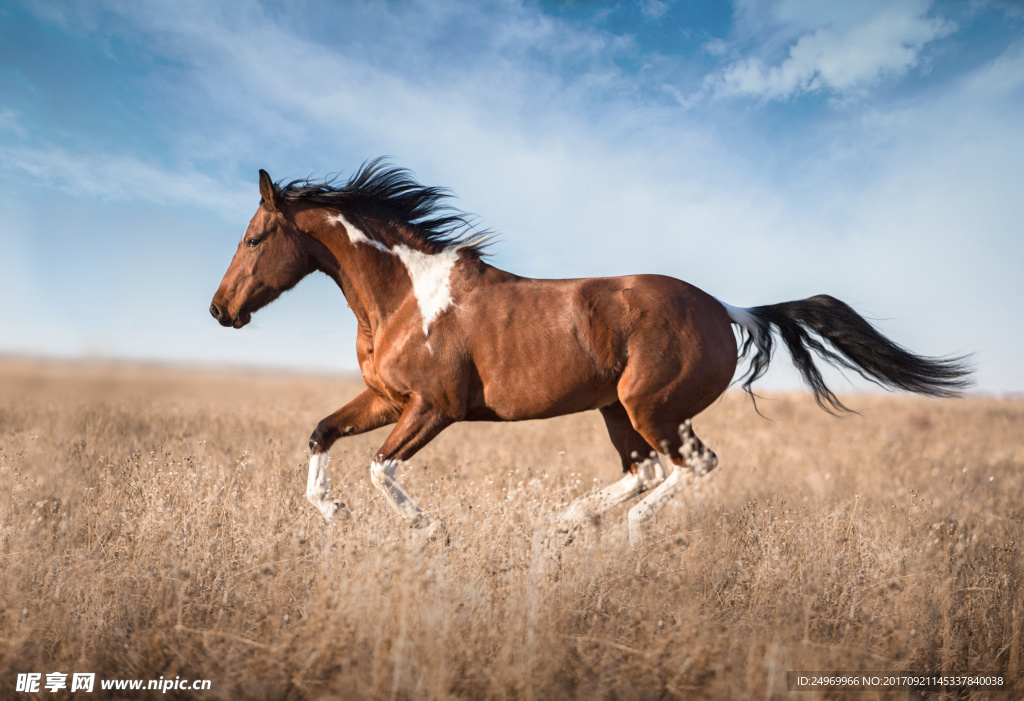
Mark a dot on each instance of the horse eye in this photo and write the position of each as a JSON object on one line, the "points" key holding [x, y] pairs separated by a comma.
{"points": [[252, 243]]}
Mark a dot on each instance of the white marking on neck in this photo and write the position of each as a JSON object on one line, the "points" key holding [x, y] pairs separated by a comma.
{"points": [[355, 234], [430, 272], [431, 279]]}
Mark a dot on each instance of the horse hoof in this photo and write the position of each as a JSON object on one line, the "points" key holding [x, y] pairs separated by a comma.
{"points": [[334, 509], [431, 529], [565, 533]]}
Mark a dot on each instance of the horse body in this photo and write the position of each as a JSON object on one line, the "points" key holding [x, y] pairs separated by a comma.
{"points": [[541, 348], [444, 337]]}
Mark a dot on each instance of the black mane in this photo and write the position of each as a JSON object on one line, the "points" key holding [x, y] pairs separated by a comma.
{"points": [[392, 192]]}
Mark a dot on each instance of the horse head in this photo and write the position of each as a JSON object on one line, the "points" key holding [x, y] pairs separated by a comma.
{"points": [[270, 259]]}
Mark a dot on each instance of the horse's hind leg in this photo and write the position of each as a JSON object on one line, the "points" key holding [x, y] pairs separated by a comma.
{"points": [[638, 473], [697, 457], [633, 449]]}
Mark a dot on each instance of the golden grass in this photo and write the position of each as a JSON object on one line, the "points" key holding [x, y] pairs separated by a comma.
{"points": [[153, 522]]}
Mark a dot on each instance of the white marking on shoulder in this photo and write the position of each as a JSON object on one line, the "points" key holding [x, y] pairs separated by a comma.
{"points": [[431, 279], [741, 316], [355, 234]]}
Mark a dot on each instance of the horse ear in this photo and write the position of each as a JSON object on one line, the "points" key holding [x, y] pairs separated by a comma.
{"points": [[268, 191]]}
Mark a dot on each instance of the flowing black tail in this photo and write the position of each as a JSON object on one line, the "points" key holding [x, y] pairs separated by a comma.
{"points": [[844, 339]]}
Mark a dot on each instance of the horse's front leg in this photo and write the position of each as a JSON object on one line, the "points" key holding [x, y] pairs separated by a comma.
{"points": [[364, 413], [419, 424]]}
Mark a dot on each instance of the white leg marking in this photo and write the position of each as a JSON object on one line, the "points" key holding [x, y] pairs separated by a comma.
{"points": [[431, 279], [699, 462], [659, 468], [317, 490], [594, 504], [382, 474], [648, 474], [655, 502]]}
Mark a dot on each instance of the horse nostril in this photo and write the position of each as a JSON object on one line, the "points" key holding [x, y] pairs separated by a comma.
{"points": [[215, 311]]}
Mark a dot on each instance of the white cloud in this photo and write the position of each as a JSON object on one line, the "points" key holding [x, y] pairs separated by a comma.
{"points": [[9, 121], [654, 9], [1003, 76], [119, 178], [848, 54]]}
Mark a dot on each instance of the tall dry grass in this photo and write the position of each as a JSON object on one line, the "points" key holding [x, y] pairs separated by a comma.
{"points": [[152, 523]]}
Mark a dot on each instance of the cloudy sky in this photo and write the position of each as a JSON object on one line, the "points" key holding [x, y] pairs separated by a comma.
{"points": [[764, 151]]}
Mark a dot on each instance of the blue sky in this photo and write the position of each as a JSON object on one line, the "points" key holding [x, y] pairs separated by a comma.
{"points": [[764, 151]]}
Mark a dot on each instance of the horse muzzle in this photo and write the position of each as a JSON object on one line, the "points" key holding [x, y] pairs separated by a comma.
{"points": [[225, 319]]}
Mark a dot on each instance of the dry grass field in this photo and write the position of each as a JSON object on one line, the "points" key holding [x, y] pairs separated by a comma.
{"points": [[153, 523]]}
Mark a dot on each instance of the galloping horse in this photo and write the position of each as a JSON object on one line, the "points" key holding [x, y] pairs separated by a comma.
{"points": [[445, 337]]}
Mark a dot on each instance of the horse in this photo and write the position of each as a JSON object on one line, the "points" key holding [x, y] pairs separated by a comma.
{"points": [[445, 337]]}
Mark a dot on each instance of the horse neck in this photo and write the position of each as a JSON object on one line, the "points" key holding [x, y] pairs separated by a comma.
{"points": [[373, 280]]}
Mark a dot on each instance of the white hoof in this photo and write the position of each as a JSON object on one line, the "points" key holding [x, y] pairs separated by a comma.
{"points": [[333, 508], [329, 508], [429, 529]]}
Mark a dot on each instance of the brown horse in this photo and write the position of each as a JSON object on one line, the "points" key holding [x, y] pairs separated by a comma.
{"points": [[445, 337]]}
